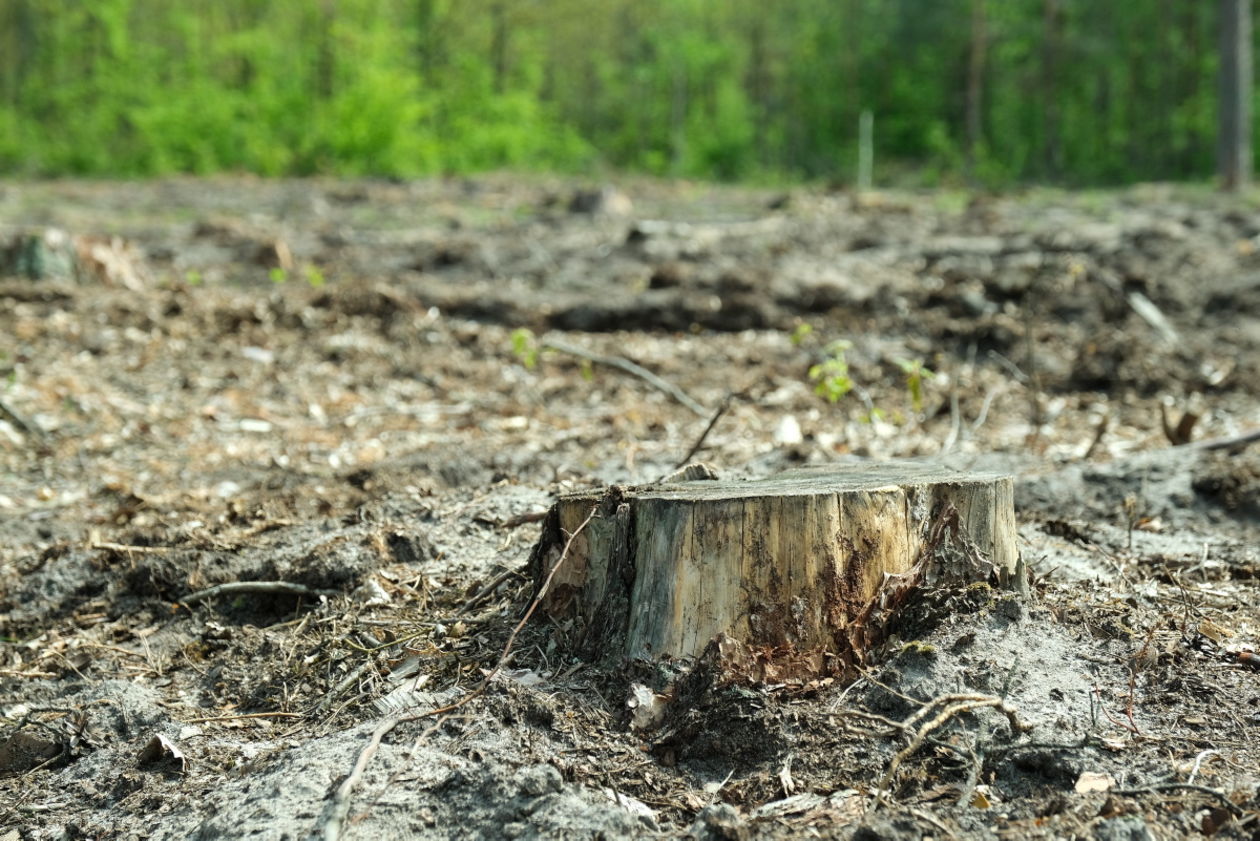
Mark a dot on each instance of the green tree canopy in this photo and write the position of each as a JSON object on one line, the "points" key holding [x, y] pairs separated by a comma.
{"points": [[1075, 91]]}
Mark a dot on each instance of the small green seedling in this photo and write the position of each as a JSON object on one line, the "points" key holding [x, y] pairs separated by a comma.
{"points": [[278, 275], [916, 374], [314, 277], [873, 415], [831, 376], [192, 277], [525, 347], [800, 333]]}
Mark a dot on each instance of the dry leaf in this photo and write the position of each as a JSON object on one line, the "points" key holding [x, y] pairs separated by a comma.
{"points": [[161, 750], [647, 708]]}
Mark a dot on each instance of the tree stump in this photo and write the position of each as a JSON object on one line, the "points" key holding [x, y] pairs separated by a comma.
{"points": [[797, 568]]}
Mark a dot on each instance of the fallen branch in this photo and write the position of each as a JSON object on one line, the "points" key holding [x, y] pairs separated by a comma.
{"points": [[235, 588], [338, 809], [629, 367]]}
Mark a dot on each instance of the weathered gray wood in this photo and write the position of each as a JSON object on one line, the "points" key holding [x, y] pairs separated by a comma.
{"points": [[783, 564], [1234, 144]]}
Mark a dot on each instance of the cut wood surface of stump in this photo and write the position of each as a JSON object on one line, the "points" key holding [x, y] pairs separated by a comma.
{"points": [[791, 567]]}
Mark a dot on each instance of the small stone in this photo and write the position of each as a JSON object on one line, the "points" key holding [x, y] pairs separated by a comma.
{"points": [[604, 201], [719, 822], [787, 433], [1128, 828], [539, 780]]}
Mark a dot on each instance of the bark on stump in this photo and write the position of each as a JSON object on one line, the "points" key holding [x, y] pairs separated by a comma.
{"points": [[794, 570]]}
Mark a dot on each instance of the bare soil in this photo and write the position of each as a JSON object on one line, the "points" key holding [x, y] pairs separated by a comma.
{"points": [[320, 384]]}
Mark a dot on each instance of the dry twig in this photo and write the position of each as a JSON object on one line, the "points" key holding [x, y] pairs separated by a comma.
{"points": [[132, 549], [629, 367], [1230, 442], [695, 448], [482, 594], [234, 588], [1100, 432], [237, 716]]}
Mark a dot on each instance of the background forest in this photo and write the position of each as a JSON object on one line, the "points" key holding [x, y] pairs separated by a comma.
{"points": [[994, 91]]}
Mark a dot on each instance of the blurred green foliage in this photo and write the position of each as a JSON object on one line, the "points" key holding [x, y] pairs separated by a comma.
{"points": [[1075, 91]]}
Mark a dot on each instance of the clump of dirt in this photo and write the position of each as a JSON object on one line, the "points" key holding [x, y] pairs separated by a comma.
{"points": [[1231, 481]]}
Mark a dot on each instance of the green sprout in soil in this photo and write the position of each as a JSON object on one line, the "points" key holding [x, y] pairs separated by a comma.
{"points": [[831, 376], [525, 347], [278, 275], [314, 277], [800, 333], [874, 414], [916, 374]]}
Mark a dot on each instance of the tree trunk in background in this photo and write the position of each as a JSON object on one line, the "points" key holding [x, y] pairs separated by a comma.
{"points": [[975, 83], [19, 47], [678, 100], [425, 40], [1051, 45], [1194, 83], [1168, 92], [851, 72], [499, 47], [326, 56], [1234, 141], [758, 86]]}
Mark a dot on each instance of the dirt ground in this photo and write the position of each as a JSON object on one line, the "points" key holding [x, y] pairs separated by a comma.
{"points": [[346, 389]]}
